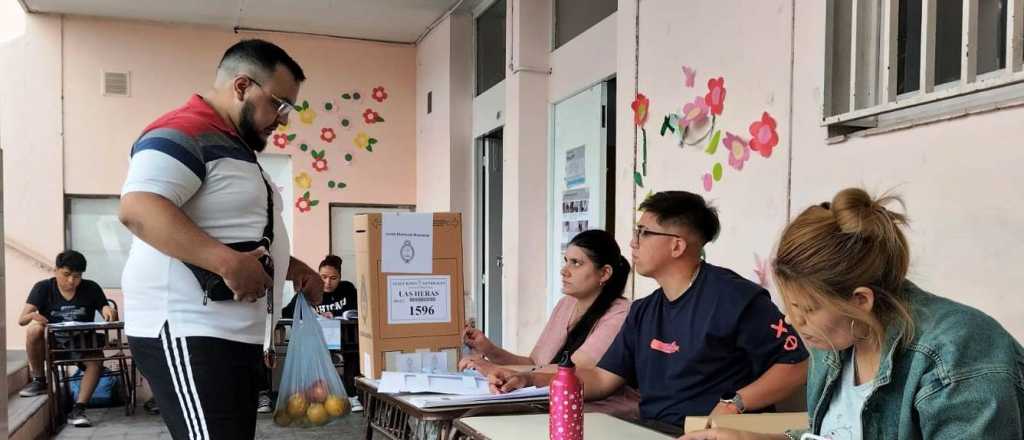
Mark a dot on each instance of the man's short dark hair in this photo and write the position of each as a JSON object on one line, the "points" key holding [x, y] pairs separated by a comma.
{"points": [[70, 260], [262, 54], [686, 209]]}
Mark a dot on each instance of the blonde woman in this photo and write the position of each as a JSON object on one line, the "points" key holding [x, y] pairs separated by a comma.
{"points": [[890, 360]]}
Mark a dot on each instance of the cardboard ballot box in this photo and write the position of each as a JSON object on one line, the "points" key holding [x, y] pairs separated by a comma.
{"points": [[409, 279]]}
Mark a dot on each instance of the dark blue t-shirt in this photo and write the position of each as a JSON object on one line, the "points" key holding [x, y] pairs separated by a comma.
{"points": [[718, 337]]}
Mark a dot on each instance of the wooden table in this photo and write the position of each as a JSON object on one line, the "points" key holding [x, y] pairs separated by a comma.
{"points": [[596, 426], [82, 342], [393, 417]]}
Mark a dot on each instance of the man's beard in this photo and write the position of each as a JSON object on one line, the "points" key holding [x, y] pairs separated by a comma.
{"points": [[247, 129]]}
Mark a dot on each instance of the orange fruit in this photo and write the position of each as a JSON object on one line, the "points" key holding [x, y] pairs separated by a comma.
{"points": [[297, 405], [282, 419], [337, 406], [317, 414]]}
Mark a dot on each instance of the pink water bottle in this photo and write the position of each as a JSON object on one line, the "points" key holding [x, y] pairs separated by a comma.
{"points": [[565, 403]]}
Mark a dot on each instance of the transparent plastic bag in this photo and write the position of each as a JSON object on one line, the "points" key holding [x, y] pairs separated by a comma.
{"points": [[311, 393]]}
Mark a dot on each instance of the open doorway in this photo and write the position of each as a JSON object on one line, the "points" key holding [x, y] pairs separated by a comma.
{"points": [[489, 213], [582, 177]]}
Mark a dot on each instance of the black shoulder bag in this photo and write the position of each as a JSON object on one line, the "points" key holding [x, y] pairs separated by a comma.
{"points": [[213, 285]]}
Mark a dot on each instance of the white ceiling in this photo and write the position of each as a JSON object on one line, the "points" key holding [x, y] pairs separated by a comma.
{"points": [[385, 20]]}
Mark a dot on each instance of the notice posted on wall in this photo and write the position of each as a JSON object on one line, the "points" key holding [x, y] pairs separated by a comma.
{"points": [[576, 166], [575, 214], [419, 299]]}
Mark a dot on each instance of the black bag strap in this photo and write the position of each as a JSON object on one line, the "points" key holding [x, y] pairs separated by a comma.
{"points": [[268, 230]]}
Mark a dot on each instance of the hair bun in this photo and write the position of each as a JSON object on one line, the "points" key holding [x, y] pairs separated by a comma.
{"points": [[856, 212]]}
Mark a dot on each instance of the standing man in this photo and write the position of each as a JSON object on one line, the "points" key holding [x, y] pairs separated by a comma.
{"points": [[707, 341], [64, 298], [194, 187]]}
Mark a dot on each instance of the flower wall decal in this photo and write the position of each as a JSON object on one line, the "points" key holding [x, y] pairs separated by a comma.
{"points": [[371, 117], [327, 135], [764, 136], [379, 94]]}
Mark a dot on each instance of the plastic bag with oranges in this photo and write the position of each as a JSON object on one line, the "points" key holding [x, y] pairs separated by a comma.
{"points": [[311, 392]]}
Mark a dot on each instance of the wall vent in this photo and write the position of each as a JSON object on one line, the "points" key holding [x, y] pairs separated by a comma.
{"points": [[116, 83]]}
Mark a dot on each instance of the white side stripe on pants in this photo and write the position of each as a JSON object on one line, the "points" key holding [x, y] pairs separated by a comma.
{"points": [[182, 383], [195, 393]]}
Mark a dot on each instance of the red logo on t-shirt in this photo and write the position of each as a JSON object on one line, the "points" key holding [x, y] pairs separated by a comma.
{"points": [[664, 347]]}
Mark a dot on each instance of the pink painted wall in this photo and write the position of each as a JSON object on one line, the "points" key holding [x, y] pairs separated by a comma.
{"points": [[33, 171], [433, 131], [444, 147], [958, 178], [167, 64]]}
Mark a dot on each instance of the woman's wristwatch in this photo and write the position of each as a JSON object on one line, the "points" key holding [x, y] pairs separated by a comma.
{"points": [[735, 400]]}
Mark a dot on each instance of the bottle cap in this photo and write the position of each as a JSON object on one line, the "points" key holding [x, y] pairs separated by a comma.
{"points": [[566, 361]]}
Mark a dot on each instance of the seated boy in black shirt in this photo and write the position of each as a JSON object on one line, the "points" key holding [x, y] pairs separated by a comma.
{"points": [[64, 298], [708, 341]]}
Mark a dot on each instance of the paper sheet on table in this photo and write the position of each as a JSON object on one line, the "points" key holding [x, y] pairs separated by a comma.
{"points": [[463, 384], [73, 323], [332, 332], [433, 401]]}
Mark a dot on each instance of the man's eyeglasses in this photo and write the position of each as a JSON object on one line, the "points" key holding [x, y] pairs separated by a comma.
{"points": [[640, 232], [283, 107]]}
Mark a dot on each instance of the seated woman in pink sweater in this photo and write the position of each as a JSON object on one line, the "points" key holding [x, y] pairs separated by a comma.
{"points": [[584, 322]]}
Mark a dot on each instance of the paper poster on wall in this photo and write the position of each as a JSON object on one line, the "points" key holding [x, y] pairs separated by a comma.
{"points": [[576, 166], [575, 213], [419, 299], [407, 243]]}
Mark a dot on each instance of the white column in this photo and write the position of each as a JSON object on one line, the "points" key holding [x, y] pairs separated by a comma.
{"points": [[524, 227]]}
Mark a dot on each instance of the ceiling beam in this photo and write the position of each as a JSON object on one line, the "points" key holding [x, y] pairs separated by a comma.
{"points": [[239, 29]]}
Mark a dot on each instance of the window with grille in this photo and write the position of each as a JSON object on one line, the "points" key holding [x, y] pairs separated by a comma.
{"points": [[893, 60]]}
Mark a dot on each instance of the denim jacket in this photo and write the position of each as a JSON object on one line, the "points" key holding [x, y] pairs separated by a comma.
{"points": [[961, 377]]}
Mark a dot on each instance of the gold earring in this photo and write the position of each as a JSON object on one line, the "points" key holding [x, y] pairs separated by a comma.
{"points": [[854, 333]]}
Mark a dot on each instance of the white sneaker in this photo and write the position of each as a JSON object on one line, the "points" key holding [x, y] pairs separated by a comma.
{"points": [[356, 406], [265, 405]]}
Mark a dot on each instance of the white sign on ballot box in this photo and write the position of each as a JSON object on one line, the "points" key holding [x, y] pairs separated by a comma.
{"points": [[419, 299], [407, 243]]}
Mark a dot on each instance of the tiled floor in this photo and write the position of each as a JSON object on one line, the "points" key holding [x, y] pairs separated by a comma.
{"points": [[112, 424]]}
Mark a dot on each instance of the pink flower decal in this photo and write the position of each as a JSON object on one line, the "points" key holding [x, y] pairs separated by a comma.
{"points": [[716, 95], [764, 136], [737, 149], [694, 113], [327, 134], [304, 203], [379, 94], [371, 117], [280, 140]]}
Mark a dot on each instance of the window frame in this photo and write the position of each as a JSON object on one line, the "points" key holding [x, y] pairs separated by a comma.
{"points": [[873, 88], [68, 198]]}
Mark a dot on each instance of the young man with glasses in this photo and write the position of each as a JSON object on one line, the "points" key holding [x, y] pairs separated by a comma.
{"points": [[203, 211], [708, 341]]}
